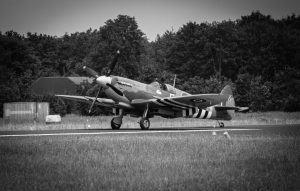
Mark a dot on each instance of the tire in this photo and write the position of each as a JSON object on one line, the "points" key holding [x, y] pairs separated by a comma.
{"points": [[221, 124], [144, 123], [114, 126]]}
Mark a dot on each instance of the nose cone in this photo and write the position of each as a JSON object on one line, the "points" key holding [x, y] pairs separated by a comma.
{"points": [[103, 80]]}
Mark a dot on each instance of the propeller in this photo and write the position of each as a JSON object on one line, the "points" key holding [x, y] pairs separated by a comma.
{"points": [[101, 79], [113, 64], [90, 110], [115, 89], [91, 72]]}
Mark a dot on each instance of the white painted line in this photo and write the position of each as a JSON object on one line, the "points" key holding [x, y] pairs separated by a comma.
{"points": [[125, 132]]}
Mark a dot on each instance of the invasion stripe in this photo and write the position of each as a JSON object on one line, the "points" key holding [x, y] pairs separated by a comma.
{"points": [[162, 103], [193, 110], [206, 112], [167, 104], [186, 111], [157, 103], [170, 104], [202, 113], [179, 103], [190, 111], [196, 111], [209, 115], [199, 113], [195, 115]]}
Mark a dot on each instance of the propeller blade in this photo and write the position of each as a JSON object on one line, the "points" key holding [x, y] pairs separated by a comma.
{"points": [[91, 71], [90, 110], [113, 64], [115, 89]]}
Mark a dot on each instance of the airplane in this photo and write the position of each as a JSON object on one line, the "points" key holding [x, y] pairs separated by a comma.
{"points": [[130, 97]]}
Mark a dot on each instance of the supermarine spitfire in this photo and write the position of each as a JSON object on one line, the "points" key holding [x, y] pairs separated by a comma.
{"points": [[130, 97]]}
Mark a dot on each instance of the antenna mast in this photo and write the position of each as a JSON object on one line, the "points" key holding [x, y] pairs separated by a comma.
{"points": [[174, 81]]}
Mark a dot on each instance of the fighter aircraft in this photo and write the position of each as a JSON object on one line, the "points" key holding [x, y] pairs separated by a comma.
{"points": [[130, 97]]}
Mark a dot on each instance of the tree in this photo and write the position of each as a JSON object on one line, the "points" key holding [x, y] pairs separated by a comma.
{"points": [[253, 92], [257, 55], [119, 34]]}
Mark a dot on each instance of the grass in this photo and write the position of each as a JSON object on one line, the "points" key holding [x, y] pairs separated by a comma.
{"points": [[165, 161], [103, 122]]}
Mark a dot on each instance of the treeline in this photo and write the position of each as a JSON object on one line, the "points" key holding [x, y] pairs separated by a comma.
{"points": [[258, 55]]}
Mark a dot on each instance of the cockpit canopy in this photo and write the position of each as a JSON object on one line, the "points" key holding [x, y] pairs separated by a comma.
{"points": [[169, 88], [159, 85]]}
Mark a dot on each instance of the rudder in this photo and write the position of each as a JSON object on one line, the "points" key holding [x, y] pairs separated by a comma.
{"points": [[229, 102]]}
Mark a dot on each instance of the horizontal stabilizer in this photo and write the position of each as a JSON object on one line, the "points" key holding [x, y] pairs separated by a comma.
{"points": [[243, 109], [238, 109]]}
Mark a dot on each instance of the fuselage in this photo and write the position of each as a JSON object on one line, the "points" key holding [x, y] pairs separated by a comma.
{"points": [[132, 90], [123, 91]]}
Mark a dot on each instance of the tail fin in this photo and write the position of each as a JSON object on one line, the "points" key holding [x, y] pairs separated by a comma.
{"points": [[227, 110], [226, 90]]}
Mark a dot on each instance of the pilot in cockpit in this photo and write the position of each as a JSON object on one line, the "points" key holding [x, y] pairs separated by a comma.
{"points": [[161, 83]]}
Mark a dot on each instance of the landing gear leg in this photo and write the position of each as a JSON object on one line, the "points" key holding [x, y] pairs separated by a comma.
{"points": [[220, 124], [144, 122]]}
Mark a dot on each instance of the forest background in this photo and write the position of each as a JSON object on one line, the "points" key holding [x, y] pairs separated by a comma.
{"points": [[256, 54]]}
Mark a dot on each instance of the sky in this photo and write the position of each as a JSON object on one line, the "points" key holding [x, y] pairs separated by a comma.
{"points": [[57, 17]]}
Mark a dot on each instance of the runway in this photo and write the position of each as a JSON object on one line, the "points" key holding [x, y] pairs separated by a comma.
{"points": [[234, 130]]}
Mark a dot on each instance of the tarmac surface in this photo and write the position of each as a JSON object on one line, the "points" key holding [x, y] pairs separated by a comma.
{"points": [[288, 130]]}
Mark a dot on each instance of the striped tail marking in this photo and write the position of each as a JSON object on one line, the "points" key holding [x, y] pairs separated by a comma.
{"points": [[171, 103], [197, 113], [202, 114]]}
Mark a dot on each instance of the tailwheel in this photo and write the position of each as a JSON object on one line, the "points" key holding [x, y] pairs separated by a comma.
{"points": [[221, 125], [115, 123], [144, 123]]}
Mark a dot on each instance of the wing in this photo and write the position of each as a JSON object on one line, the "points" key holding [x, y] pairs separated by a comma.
{"points": [[183, 102], [100, 101]]}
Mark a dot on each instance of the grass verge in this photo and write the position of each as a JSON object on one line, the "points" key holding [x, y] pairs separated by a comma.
{"points": [[103, 122], [166, 161]]}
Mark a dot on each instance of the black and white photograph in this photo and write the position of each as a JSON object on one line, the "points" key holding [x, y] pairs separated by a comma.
{"points": [[149, 95]]}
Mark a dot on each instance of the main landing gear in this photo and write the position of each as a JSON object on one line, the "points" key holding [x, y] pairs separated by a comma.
{"points": [[116, 122], [221, 124], [144, 123]]}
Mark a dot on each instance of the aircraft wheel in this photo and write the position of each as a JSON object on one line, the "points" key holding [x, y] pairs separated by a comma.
{"points": [[145, 123], [114, 125], [221, 124]]}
